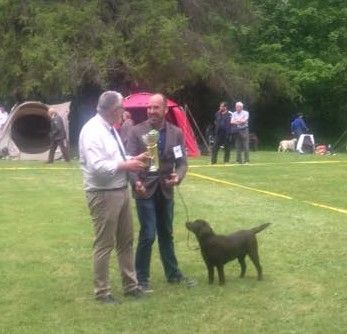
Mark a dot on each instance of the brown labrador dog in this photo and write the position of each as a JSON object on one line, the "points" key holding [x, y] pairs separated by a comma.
{"points": [[217, 250]]}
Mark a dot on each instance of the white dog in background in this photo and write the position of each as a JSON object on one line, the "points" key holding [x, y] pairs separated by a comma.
{"points": [[287, 145]]}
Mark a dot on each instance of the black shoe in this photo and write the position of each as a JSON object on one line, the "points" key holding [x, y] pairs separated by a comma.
{"points": [[107, 299], [135, 293], [188, 282]]}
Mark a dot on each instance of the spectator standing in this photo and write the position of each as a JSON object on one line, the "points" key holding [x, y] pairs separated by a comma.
{"points": [[222, 133], [57, 136], [3, 117], [239, 122], [125, 128]]}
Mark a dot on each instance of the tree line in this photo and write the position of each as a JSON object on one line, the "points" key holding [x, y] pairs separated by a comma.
{"points": [[277, 56]]}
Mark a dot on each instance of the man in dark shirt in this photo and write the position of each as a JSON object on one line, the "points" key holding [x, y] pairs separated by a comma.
{"points": [[57, 136], [222, 133], [154, 192]]}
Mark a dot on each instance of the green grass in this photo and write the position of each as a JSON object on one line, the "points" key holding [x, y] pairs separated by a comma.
{"points": [[46, 246]]}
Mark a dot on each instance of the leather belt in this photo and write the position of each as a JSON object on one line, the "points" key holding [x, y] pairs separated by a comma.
{"points": [[112, 189]]}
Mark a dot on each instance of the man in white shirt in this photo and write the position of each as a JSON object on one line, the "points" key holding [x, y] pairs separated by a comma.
{"points": [[105, 165], [239, 123]]}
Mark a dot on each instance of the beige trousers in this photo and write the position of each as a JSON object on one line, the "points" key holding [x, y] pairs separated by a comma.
{"points": [[111, 216]]}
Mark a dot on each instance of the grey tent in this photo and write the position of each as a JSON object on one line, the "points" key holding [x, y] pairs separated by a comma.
{"points": [[25, 135]]}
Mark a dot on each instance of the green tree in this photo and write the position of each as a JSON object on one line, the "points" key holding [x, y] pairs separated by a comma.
{"points": [[308, 40], [275, 55]]}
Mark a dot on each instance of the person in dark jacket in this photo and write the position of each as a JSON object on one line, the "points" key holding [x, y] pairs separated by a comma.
{"points": [[57, 136], [222, 133], [154, 191], [125, 128]]}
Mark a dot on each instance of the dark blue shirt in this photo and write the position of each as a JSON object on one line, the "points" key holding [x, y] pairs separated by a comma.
{"points": [[162, 140], [298, 126], [222, 122]]}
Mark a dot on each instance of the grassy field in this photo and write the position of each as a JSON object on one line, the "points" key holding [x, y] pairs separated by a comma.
{"points": [[46, 238]]}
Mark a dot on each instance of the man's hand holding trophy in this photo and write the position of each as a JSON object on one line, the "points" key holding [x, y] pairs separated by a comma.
{"points": [[151, 141]]}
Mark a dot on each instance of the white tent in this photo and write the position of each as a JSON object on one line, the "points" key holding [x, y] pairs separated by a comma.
{"points": [[25, 136]]}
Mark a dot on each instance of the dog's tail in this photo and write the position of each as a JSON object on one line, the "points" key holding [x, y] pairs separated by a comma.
{"points": [[260, 228]]}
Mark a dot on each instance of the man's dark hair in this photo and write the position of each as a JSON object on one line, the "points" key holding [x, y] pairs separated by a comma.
{"points": [[225, 104]]}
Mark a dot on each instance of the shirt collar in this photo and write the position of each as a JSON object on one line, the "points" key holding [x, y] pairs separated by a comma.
{"points": [[103, 122], [163, 128]]}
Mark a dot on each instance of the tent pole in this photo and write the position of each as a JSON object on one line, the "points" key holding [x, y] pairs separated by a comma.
{"points": [[186, 108], [340, 138]]}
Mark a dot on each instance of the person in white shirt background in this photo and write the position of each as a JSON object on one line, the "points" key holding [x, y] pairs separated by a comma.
{"points": [[105, 165], [239, 120], [3, 117]]}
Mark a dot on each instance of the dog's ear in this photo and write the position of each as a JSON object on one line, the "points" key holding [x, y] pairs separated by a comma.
{"points": [[204, 229]]}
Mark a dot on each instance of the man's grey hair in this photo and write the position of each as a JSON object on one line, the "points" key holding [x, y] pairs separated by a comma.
{"points": [[239, 104], [109, 100]]}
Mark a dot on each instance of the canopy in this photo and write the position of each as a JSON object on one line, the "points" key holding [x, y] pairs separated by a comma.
{"points": [[137, 103]]}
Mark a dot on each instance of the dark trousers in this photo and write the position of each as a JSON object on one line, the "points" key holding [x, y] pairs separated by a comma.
{"points": [[53, 148], [242, 145], [155, 215], [221, 139]]}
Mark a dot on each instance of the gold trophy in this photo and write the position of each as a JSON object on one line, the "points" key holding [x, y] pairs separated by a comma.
{"points": [[151, 139]]}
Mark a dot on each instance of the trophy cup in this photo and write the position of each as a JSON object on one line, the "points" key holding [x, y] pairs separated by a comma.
{"points": [[150, 139]]}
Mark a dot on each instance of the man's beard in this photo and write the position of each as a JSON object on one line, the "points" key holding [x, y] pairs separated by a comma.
{"points": [[156, 121]]}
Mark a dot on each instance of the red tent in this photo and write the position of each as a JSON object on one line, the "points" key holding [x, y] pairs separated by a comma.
{"points": [[137, 103]]}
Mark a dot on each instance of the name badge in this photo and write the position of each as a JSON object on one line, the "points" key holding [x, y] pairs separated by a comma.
{"points": [[177, 150]]}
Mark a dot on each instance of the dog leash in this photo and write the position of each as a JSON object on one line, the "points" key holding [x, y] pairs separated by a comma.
{"points": [[187, 217]]}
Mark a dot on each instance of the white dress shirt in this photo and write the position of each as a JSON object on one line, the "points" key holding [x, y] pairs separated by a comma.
{"points": [[243, 115], [100, 156]]}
